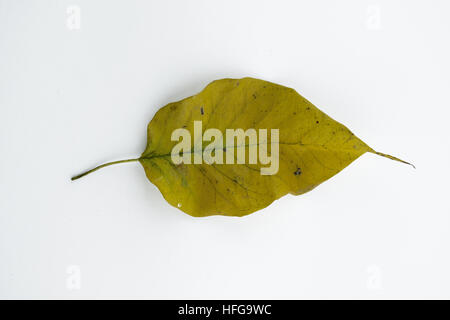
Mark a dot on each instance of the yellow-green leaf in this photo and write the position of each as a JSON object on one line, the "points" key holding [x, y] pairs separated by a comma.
{"points": [[312, 148]]}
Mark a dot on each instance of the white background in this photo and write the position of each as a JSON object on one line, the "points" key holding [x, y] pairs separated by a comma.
{"points": [[73, 96]]}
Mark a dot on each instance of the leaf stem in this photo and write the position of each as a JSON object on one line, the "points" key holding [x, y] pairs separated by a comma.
{"points": [[102, 166]]}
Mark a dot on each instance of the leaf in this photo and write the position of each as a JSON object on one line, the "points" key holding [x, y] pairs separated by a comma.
{"points": [[312, 148]]}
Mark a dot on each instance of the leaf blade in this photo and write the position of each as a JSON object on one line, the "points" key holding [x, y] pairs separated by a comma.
{"points": [[313, 147]]}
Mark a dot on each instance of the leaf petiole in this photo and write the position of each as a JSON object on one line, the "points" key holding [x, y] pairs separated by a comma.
{"points": [[102, 166]]}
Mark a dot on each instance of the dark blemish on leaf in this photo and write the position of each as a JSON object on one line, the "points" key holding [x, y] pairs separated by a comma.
{"points": [[298, 172], [254, 96], [294, 113], [180, 166], [201, 111], [317, 121], [184, 126], [224, 149]]}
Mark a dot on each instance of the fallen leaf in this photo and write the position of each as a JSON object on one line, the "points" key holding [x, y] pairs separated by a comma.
{"points": [[312, 148]]}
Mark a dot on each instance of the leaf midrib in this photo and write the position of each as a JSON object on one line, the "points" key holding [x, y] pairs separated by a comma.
{"points": [[322, 146]]}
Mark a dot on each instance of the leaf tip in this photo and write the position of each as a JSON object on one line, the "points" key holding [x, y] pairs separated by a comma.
{"points": [[392, 158]]}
